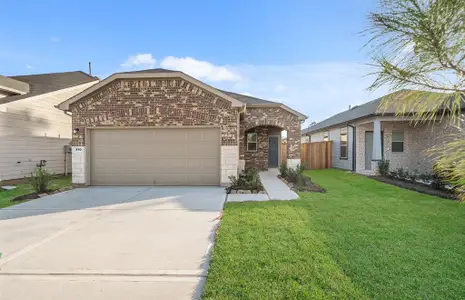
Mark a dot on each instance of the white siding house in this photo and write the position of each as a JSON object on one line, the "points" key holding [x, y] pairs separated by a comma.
{"points": [[33, 129]]}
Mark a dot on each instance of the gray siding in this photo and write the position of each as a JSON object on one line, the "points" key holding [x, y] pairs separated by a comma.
{"points": [[334, 136]]}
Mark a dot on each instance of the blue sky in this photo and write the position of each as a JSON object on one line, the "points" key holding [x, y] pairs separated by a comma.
{"points": [[306, 54]]}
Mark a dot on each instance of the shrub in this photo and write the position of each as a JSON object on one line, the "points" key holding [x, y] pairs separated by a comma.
{"points": [[249, 179], [283, 169], [425, 177], [401, 173], [392, 174], [301, 167], [293, 175], [383, 167], [40, 180]]}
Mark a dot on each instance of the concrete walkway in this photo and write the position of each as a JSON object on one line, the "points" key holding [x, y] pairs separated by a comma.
{"points": [[109, 243], [275, 188]]}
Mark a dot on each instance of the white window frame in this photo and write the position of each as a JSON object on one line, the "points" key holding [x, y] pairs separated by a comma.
{"points": [[248, 142], [344, 131], [326, 136], [398, 141]]}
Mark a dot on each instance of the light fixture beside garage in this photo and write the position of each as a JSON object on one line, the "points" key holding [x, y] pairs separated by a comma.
{"points": [[75, 131]]}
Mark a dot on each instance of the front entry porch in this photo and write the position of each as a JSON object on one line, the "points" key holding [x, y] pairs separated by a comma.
{"points": [[260, 138]]}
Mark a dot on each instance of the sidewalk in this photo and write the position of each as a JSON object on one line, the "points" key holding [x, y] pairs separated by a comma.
{"points": [[275, 188]]}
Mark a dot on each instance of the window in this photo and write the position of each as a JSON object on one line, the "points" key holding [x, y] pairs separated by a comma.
{"points": [[326, 137], [397, 142], [252, 141], [343, 146]]}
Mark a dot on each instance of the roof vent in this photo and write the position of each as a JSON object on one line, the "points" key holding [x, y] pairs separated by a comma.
{"points": [[355, 106]]}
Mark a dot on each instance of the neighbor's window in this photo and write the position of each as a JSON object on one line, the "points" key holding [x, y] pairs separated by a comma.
{"points": [[397, 141], [326, 137], [252, 141], [343, 143]]}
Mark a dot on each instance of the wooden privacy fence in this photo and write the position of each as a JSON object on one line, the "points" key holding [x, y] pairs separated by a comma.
{"points": [[316, 155]]}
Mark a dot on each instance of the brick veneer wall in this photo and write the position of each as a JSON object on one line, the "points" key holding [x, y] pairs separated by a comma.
{"points": [[261, 120], [154, 102], [417, 140]]}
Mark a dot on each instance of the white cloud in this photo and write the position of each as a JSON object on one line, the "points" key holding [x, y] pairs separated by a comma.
{"points": [[144, 60], [317, 90], [202, 70], [28, 66], [55, 39], [280, 88]]}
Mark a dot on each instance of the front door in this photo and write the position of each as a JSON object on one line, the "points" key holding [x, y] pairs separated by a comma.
{"points": [[368, 149], [273, 151]]}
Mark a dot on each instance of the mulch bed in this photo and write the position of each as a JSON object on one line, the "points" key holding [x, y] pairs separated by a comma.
{"points": [[36, 196], [238, 190], [417, 187], [309, 186]]}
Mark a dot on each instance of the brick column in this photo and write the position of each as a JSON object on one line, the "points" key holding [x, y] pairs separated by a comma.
{"points": [[293, 144]]}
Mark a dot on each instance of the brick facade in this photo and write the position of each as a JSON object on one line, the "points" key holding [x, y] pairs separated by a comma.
{"points": [[154, 102], [157, 102], [418, 139], [265, 121]]}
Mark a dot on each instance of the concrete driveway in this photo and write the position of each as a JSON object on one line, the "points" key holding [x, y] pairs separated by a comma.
{"points": [[109, 243]]}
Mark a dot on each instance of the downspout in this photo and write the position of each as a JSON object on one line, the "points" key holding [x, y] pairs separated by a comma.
{"points": [[354, 147]]}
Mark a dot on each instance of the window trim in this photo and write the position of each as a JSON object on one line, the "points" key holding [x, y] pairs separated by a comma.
{"points": [[256, 142], [326, 136], [398, 142], [346, 133]]}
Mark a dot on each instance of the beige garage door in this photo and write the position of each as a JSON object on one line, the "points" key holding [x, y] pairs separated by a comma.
{"points": [[177, 156]]}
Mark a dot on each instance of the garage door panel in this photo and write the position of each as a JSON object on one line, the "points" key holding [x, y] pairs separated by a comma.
{"points": [[210, 164], [202, 150], [168, 150], [209, 136], [158, 156]]}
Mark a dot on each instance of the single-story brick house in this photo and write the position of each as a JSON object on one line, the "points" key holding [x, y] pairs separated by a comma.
{"points": [[362, 136], [163, 127]]}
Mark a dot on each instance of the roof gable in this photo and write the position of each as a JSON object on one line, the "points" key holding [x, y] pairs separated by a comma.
{"points": [[237, 100], [154, 73], [46, 83]]}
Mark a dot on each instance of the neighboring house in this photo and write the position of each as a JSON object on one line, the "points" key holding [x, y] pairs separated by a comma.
{"points": [[162, 127], [31, 127], [372, 136], [304, 139]]}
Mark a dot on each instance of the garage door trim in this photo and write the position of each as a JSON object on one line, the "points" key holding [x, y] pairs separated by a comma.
{"points": [[88, 145]]}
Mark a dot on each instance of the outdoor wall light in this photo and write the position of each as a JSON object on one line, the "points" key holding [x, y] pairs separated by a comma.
{"points": [[75, 131]]}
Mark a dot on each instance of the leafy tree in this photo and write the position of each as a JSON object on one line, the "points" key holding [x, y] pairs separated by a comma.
{"points": [[418, 50]]}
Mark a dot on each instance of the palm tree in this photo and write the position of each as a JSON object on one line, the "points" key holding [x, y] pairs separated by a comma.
{"points": [[420, 45]]}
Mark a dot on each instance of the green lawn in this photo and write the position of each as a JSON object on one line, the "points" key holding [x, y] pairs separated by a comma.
{"points": [[25, 188], [361, 240]]}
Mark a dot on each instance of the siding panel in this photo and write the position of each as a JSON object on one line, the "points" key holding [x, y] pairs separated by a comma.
{"points": [[33, 129]]}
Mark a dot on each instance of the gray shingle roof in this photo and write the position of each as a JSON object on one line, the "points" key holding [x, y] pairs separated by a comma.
{"points": [[157, 70], [358, 112], [46, 83], [248, 99]]}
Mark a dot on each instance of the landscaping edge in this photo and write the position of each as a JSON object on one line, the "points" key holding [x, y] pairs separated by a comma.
{"points": [[416, 187]]}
